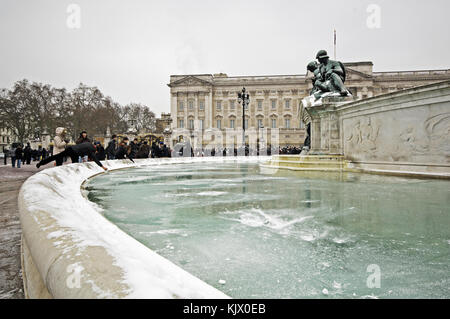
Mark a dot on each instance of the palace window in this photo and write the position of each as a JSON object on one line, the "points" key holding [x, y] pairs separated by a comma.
{"points": [[231, 105], [287, 123], [259, 105], [180, 106], [219, 105], [260, 123], [191, 105], [287, 104], [274, 123], [274, 104], [202, 123], [202, 105], [181, 124], [219, 123], [231, 123], [191, 124]]}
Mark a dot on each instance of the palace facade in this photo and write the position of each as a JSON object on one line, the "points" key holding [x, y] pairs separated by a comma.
{"points": [[200, 102]]}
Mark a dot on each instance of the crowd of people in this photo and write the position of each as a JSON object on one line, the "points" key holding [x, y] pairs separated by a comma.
{"points": [[290, 150], [86, 149], [24, 155]]}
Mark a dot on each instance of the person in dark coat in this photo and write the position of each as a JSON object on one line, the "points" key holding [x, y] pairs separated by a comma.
{"points": [[155, 151], [123, 151], [100, 151], [19, 155], [27, 154], [74, 152], [12, 154], [5, 153], [164, 152], [112, 148], [144, 151], [83, 138], [134, 148]]}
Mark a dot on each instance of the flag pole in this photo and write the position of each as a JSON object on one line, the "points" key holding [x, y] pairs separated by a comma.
{"points": [[335, 44]]}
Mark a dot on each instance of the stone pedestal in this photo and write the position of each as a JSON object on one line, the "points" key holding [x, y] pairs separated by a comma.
{"points": [[325, 127]]}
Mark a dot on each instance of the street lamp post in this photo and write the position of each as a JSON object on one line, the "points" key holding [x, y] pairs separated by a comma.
{"points": [[243, 98]]}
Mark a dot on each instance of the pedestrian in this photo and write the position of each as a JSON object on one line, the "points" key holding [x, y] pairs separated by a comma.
{"points": [[123, 151], [19, 155], [83, 139], [5, 153], [144, 151], [39, 153], [134, 148], [100, 151], [74, 152], [60, 143], [27, 154], [112, 148], [12, 154], [155, 150]]}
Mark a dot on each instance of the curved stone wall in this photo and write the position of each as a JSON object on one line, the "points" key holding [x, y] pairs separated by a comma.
{"points": [[69, 250]]}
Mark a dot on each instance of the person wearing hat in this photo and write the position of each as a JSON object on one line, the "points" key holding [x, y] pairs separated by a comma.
{"points": [[83, 138], [333, 71]]}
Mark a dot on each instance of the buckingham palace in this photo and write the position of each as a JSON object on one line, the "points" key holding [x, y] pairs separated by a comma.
{"points": [[202, 102]]}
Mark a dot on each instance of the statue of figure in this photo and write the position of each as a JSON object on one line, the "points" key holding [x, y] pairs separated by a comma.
{"points": [[333, 73], [328, 80], [329, 76]]}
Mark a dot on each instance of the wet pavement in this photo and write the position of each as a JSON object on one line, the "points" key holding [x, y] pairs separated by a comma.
{"points": [[11, 179]]}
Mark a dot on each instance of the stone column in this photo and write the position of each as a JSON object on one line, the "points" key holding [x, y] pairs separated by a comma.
{"points": [[174, 110], [211, 108], [196, 106], [186, 110], [207, 111]]}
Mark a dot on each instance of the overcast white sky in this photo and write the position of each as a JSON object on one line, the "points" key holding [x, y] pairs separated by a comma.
{"points": [[129, 48]]}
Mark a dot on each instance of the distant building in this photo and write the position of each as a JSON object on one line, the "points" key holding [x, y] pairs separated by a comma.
{"points": [[5, 138], [206, 101], [162, 123]]}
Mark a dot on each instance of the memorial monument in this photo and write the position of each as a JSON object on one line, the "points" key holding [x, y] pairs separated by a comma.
{"points": [[328, 81]]}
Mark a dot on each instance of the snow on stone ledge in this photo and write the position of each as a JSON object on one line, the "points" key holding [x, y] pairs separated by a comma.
{"points": [[80, 254]]}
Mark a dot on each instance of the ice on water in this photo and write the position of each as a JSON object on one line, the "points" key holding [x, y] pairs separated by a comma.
{"points": [[287, 235]]}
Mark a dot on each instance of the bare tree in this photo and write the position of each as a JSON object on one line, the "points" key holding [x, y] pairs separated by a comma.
{"points": [[30, 108]]}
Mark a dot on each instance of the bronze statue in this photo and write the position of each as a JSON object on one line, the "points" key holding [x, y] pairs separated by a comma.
{"points": [[329, 76]]}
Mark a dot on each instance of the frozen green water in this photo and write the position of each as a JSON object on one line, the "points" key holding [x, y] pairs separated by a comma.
{"points": [[287, 235]]}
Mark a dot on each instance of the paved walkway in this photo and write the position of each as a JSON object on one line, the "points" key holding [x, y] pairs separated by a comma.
{"points": [[11, 285]]}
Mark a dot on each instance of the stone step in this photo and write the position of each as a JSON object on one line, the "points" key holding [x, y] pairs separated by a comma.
{"points": [[307, 158], [308, 162]]}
